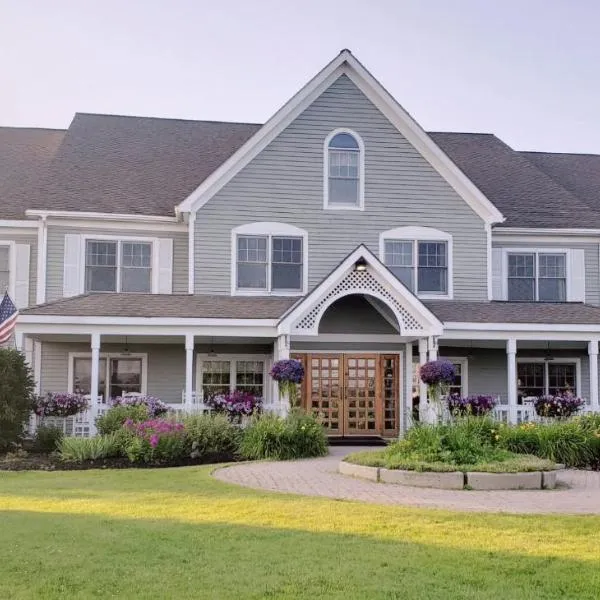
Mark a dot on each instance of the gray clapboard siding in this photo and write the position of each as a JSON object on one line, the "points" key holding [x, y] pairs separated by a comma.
{"points": [[285, 183], [592, 262], [56, 250], [31, 240]]}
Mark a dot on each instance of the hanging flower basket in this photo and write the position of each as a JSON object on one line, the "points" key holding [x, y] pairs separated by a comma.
{"points": [[288, 374], [559, 406], [58, 404], [438, 375]]}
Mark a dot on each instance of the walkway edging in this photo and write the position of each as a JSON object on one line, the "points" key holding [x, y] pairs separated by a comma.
{"points": [[454, 480]]}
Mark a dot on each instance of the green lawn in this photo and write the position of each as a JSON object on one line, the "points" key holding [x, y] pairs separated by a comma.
{"points": [[177, 533]]}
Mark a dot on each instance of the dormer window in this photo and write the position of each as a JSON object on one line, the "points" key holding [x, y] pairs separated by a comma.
{"points": [[344, 170]]}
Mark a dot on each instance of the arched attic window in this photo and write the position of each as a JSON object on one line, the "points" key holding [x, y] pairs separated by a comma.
{"points": [[344, 170]]}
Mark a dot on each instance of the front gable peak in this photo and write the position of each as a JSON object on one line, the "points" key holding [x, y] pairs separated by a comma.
{"points": [[344, 64]]}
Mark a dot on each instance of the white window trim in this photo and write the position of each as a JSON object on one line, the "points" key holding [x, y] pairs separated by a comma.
{"points": [[12, 268], [108, 356], [537, 252], [421, 234], [559, 360], [122, 238], [233, 358], [361, 172], [268, 229]]}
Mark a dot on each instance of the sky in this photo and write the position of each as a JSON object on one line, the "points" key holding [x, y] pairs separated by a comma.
{"points": [[526, 70]]}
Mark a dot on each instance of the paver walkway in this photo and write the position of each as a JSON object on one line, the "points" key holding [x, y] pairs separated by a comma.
{"points": [[319, 477]]}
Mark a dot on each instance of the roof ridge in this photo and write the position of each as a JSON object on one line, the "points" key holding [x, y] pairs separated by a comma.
{"points": [[26, 128], [121, 116], [559, 153]]}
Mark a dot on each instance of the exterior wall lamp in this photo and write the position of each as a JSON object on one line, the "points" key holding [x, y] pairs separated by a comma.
{"points": [[360, 264]]}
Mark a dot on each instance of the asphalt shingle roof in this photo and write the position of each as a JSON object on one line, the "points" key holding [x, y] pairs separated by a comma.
{"points": [[141, 165], [165, 305], [240, 307], [25, 154]]}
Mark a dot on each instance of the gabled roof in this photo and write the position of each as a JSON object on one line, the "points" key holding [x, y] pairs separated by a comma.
{"points": [[25, 154], [578, 173], [345, 64], [135, 165], [525, 194]]}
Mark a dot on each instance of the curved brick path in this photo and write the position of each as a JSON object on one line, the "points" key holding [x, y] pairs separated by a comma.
{"points": [[319, 477]]}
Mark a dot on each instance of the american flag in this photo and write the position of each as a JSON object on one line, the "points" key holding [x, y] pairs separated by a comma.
{"points": [[8, 318]]}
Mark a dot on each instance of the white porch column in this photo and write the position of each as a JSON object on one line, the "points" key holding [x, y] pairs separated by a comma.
{"points": [[433, 348], [95, 343], [19, 340], [281, 351], [593, 360], [189, 368], [408, 389], [422, 386], [511, 378]]}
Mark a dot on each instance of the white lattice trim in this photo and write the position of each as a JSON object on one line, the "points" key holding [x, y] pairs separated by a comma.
{"points": [[359, 282]]}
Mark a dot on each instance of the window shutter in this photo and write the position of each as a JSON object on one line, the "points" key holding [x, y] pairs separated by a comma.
{"points": [[576, 275], [73, 264], [165, 266], [498, 274], [22, 252]]}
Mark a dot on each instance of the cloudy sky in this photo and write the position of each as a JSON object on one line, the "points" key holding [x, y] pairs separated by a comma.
{"points": [[527, 70]]}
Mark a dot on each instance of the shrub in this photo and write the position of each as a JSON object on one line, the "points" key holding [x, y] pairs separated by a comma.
{"points": [[47, 438], [155, 440], [566, 442], [210, 434], [59, 404], [155, 407], [297, 436], [469, 442], [92, 448], [112, 420], [235, 404], [16, 396], [470, 405], [560, 406]]}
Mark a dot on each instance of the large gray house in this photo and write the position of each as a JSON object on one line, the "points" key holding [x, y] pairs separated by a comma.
{"points": [[179, 258]]}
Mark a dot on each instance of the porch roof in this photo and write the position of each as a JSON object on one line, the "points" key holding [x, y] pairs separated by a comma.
{"points": [[561, 313], [165, 305], [204, 306]]}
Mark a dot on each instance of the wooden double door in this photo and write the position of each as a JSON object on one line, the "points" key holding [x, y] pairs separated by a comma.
{"points": [[353, 394]]}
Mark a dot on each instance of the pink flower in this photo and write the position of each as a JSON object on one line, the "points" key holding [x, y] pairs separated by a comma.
{"points": [[154, 440]]}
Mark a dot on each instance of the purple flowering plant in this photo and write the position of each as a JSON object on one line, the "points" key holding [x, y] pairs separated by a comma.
{"points": [[438, 375], [155, 406], [560, 406], [235, 404], [59, 404], [154, 440], [288, 373], [478, 405]]}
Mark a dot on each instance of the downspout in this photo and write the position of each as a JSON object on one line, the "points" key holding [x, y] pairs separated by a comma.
{"points": [[42, 260], [191, 251]]}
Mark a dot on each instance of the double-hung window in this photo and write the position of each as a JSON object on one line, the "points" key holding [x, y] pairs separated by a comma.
{"points": [[537, 276], [271, 263], [537, 378], [221, 375], [118, 266], [422, 266]]}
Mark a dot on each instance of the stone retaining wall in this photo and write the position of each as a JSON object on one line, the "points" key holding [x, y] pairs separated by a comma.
{"points": [[455, 480]]}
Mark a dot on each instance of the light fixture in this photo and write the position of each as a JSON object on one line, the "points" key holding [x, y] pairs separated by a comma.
{"points": [[548, 356], [211, 349], [360, 264], [126, 349]]}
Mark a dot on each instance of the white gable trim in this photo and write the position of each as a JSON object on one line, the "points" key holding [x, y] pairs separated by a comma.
{"points": [[344, 63], [304, 317]]}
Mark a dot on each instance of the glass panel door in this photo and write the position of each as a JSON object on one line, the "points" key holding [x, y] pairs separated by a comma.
{"points": [[325, 391], [361, 397]]}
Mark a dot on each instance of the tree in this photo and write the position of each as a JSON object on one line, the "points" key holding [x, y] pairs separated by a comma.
{"points": [[16, 396]]}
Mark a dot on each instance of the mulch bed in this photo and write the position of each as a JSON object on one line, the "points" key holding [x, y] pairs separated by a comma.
{"points": [[45, 462]]}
